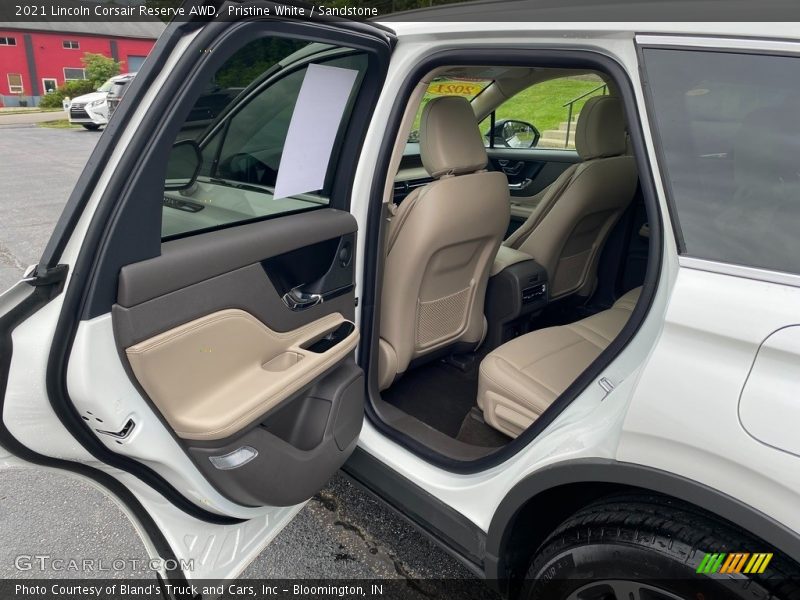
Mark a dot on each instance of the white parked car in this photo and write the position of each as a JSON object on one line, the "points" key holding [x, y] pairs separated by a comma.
{"points": [[534, 283], [92, 110]]}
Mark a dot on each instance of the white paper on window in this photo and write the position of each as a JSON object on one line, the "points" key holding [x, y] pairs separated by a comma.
{"points": [[312, 130]]}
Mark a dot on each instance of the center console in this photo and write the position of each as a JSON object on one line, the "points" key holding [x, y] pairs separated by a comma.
{"points": [[517, 289]]}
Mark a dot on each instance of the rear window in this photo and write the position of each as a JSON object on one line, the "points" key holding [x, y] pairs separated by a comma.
{"points": [[729, 140], [447, 86]]}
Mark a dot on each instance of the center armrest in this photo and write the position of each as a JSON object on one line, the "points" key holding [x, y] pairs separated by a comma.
{"points": [[506, 257]]}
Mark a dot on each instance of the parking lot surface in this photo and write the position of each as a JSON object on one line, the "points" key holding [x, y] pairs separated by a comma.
{"points": [[343, 532]]}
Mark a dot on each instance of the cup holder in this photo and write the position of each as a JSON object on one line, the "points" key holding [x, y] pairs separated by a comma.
{"points": [[282, 362]]}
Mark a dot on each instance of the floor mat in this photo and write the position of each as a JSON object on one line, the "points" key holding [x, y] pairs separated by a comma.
{"points": [[475, 431], [437, 394]]}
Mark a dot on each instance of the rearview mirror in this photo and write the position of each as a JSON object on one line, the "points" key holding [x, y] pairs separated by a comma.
{"points": [[508, 133], [183, 165]]}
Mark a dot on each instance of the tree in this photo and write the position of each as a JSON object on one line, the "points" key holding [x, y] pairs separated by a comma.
{"points": [[99, 68]]}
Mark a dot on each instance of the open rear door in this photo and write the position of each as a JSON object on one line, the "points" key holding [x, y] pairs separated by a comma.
{"points": [[187, 341]]}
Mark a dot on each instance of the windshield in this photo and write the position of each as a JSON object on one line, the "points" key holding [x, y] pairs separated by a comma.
{"points": [[447, 86], [106, 87]]}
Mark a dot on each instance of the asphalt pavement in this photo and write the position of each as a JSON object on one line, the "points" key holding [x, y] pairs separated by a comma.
{"points": [[342, 532]]}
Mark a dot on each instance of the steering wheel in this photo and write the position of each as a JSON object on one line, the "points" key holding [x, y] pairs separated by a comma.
{"points": [[247, 168]]}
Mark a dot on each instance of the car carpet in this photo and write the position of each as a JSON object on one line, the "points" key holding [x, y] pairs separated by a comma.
{"points": [[437, 394], [475, 431]]}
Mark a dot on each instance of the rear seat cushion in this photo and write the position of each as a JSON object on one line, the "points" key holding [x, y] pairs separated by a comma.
{"points": [[521, 378]]}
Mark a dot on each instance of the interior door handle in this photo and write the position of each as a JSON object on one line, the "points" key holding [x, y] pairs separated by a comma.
{"points": [[296, 299], [521, 185]]}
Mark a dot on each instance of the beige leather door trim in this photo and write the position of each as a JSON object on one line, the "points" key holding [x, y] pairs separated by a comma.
{"points": [[214, 376]]}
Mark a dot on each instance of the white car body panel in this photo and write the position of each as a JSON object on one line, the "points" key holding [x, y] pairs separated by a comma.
{"points": [[769, 400], [685, 419], [97, 114]]}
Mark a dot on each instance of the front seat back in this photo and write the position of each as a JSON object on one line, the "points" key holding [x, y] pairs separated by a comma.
{"points": [[441, 243], [567, 229]]}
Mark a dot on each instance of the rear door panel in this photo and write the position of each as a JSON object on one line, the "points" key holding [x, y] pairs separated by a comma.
{"points": [[230, 366]]}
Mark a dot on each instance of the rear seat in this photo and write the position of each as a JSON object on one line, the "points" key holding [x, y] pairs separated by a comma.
{"points": [[521, 378]]}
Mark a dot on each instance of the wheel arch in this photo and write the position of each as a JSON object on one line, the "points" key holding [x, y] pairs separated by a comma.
{"points": [[517, 528]]}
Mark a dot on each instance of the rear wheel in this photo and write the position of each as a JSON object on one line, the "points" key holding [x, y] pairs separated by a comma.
{"points": [[639, 547], [91, 126]]}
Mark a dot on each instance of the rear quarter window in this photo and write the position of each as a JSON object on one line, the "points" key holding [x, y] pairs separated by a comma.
{"points": [[729, 142]]}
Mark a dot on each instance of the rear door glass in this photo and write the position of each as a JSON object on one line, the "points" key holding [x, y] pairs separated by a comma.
{"points": [[241, 124]]}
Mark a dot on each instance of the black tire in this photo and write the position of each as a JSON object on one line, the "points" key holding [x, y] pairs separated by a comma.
{"points": [[641, 547], [91, 126]]}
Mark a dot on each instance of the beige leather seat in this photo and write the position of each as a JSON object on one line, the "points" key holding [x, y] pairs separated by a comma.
{"points": [[521, 378], [571, 222], [441, 243]]}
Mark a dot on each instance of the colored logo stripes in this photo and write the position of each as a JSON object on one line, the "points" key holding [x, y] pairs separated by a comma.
{"points": [[735, 562]]}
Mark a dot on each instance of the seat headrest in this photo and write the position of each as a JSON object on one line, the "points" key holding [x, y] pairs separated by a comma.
{"points": [[450, 142], [601, 128]]}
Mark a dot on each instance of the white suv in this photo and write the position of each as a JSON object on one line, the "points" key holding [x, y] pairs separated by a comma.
{"points": [[92, 110], [574, 365]]}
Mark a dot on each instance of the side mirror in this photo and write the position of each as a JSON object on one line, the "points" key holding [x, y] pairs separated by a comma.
{"points": [[183, 165], [508, 133]]}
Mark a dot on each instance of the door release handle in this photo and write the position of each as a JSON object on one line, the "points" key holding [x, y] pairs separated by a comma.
{"points": [[296, 299], [519, 186], [123, 433]]}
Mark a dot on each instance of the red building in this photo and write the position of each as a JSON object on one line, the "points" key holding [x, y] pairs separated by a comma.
{"points": [[38, 57]]}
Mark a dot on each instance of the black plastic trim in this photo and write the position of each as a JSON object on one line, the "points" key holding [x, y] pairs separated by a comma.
{"points": [[500, 55], [666, 182], [607, 471]]}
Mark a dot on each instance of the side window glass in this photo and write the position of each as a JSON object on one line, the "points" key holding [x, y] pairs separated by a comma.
{"points": [[543, 115], [262, 105], [446, 86], [729, 140]]}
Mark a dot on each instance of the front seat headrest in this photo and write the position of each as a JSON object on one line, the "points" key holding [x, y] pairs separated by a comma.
{"points": [[450, 142], [601, 128]]}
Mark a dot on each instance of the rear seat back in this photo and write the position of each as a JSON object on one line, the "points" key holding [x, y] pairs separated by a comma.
{"points": [[521, 378]]}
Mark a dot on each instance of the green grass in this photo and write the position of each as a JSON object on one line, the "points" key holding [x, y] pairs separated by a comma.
{"points": [[63, 124], [542, 105]]}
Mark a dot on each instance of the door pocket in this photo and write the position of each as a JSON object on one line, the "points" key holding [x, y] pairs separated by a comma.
{"points": [[214, 376]]}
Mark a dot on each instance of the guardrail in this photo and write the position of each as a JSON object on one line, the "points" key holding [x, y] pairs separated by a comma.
{"points": [[571, 105]]}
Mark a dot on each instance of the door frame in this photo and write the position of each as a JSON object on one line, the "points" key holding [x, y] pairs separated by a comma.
{"points": [[499, 55]]}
